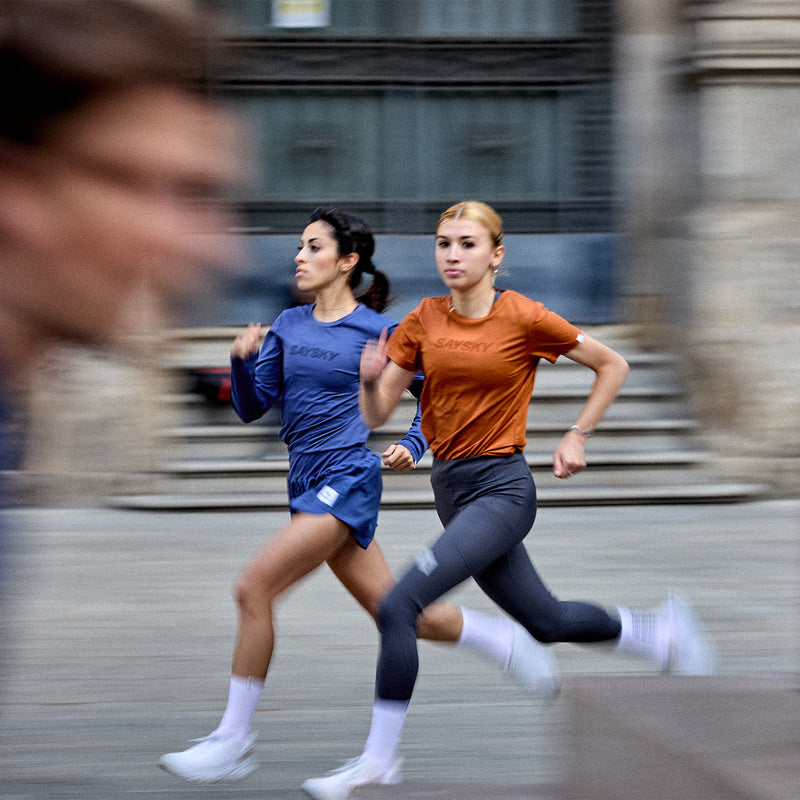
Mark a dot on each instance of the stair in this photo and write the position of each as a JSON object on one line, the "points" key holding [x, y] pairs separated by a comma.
{"points": [[644, 452]]}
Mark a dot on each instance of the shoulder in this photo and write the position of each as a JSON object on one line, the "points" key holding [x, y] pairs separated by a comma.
{"points": [[541, 327], [372, 322], [289, 324], [440, 303], [292, 316], [530, 314], [516, 303], [367, 314], [429, 308]]}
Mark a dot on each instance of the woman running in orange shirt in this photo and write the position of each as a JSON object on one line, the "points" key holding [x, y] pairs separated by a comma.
{"points": [[479, 348]]}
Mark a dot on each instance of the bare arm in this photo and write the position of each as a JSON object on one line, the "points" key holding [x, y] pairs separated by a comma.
{"points": [[610, 370], [382, 383]]}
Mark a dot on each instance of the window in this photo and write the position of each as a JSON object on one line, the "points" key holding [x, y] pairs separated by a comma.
{"points": [[395, 109], [400, 17], [401, 124]]}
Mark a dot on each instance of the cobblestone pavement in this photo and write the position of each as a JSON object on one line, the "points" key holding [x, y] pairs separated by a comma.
{"points": [[119, 629]]}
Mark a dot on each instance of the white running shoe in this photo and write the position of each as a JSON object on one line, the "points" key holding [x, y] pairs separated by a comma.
{"points": [[212, 760], [691, 649], [339, 784], [534, 664]]}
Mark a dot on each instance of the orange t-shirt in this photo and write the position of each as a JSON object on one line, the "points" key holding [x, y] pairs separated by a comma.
{"points": [[478, 372]]}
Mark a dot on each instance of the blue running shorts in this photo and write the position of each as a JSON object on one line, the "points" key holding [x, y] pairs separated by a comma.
{"points": [[348, 489]]}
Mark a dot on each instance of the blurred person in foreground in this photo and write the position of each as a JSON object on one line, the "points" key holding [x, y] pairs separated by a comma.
{"points": [[111, 157]]}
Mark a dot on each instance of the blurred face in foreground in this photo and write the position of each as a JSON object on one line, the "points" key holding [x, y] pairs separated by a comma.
{"points": [[116, 205]]}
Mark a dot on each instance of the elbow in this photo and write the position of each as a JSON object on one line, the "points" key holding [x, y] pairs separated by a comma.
{"points": [[372, 417], [244, 415], [247, 412], [613, 371], [624, 369], [371, 420], [619, 371]]}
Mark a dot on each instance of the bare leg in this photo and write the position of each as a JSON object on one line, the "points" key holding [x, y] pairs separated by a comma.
{"points": [[366, 575], [295, 551]]}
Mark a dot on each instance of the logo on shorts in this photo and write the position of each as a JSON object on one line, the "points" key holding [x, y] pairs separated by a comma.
{"points": [[327, 495], [426, 561]]}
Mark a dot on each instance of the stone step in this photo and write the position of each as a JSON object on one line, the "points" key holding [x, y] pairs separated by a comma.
{"points": [[553, 391], [552, 409], [614, 478], [280, 465], [568, 495], [645, 450], [608, 428], [408, 484], [218, 476], [260, 440], [557, 414]]}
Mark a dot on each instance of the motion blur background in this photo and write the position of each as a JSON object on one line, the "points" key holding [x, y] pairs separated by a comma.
{"points": [[643, 156]]}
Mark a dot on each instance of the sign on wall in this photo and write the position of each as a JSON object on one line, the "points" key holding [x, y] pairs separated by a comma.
{"points": [[301, 13]]}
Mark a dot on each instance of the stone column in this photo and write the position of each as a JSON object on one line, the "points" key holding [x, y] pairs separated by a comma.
{"points": [[95, 418], [656, 165], [743, 341]]}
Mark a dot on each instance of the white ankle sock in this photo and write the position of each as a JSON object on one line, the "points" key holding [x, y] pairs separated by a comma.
{"points": [[388, 718], [242, 701], [645, 634], [486, 634]]}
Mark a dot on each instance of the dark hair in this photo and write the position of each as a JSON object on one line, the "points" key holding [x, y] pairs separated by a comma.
{"points": [[55, 56], [353, 235]]}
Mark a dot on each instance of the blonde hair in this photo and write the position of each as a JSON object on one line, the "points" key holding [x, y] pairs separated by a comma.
{"points": [[478, 212]]}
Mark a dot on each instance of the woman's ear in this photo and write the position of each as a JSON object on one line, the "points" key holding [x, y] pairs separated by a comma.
{"points": [[497, 256], [347, 263]]}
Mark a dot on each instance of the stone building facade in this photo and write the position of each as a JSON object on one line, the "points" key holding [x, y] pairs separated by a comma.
{"points": [[706, 104]]}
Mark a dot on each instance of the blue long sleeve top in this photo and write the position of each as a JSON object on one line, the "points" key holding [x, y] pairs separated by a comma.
{"points": [[313, 368]]}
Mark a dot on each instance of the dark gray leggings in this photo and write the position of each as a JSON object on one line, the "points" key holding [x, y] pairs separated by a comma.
{"points": [[487, 505]]}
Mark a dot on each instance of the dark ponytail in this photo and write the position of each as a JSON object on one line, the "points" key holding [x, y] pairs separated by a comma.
{"points": [[353, 235], [376, 295]]}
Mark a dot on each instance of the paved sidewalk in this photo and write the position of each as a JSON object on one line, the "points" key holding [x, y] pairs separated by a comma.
{"points": [[121, 626]]}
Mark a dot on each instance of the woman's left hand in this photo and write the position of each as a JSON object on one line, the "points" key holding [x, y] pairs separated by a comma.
{"points": [[399, 458], [569, 457]]}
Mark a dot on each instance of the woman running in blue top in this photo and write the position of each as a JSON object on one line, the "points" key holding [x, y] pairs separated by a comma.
{"points": [[310, 361]]}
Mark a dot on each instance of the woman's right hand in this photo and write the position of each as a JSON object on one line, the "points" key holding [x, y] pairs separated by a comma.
{"points": [[373, 360], [246, 344]]}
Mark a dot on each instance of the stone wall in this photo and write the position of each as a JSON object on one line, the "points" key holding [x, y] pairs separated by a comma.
{"points": [[92, 427]]}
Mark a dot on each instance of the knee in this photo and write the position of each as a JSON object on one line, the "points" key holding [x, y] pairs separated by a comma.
{"points": [[546, 628], [396, 612], [567, 621], [251, 594]]}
